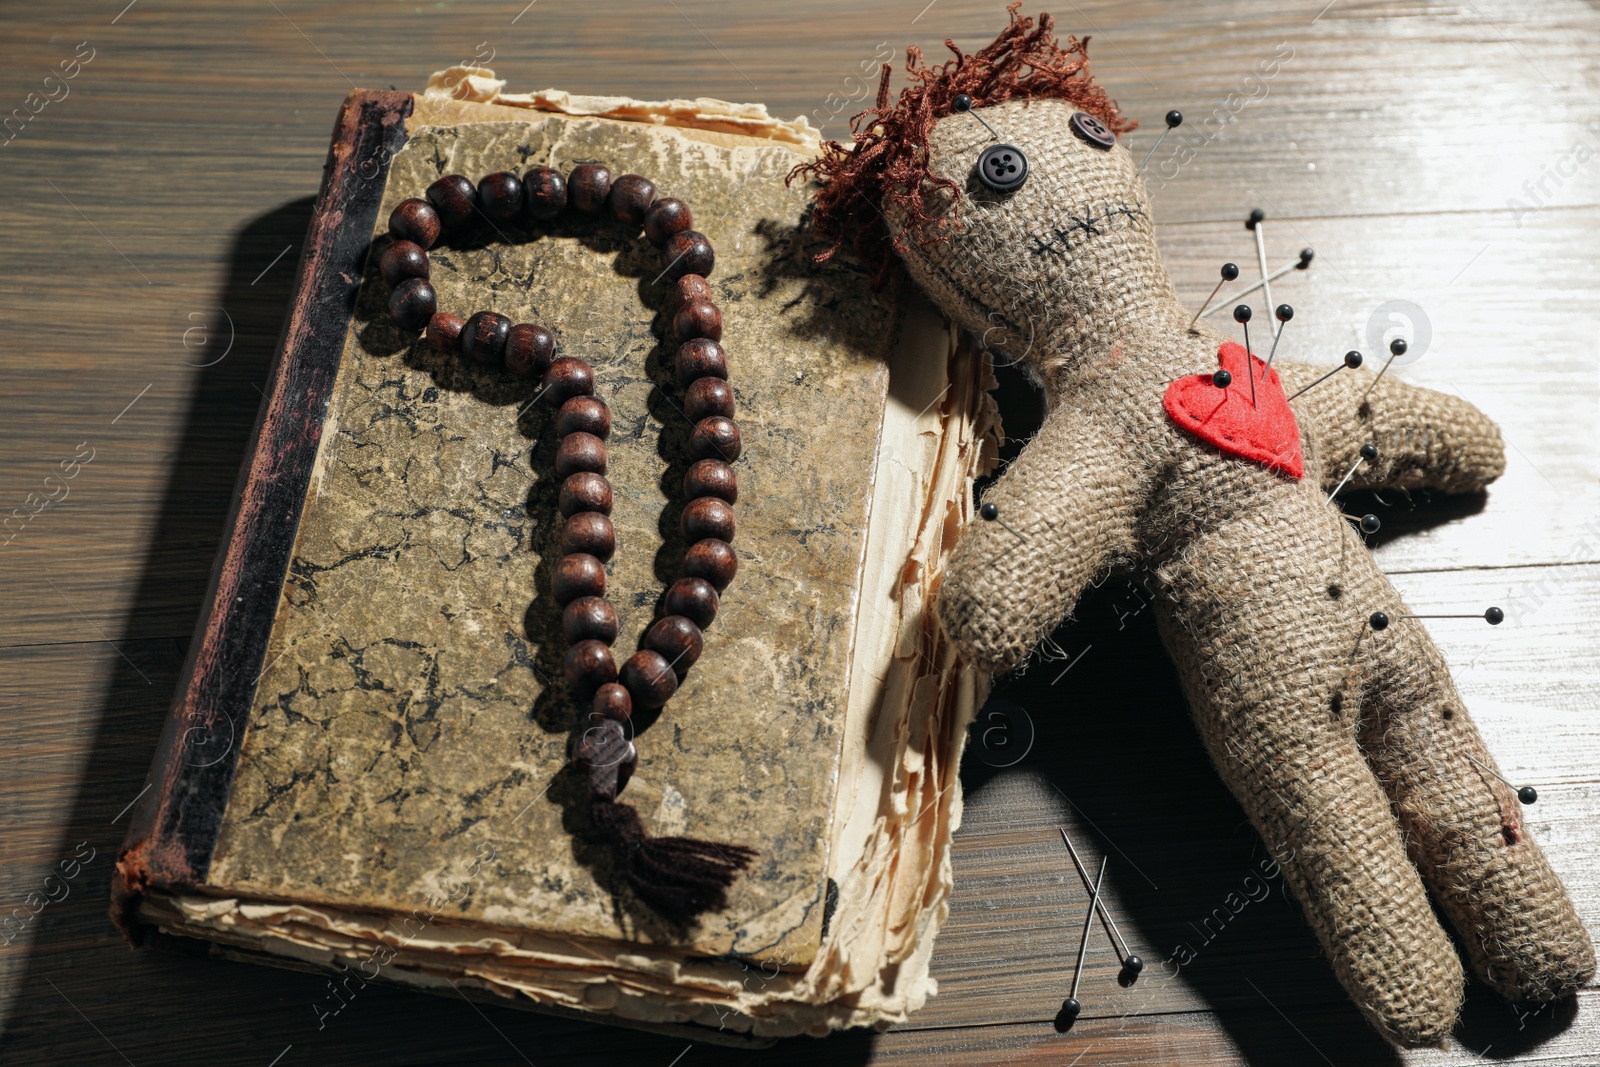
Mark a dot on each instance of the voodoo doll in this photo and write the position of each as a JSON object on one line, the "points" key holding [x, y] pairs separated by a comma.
{"points": [[1346, 743]]}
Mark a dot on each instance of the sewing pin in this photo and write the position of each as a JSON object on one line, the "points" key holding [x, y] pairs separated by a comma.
{"points": [[1352, 360], [1494, 617], [1174, 120], [1230, 271], [1283, 314], [1304, 262], [963, 103], [1370, 524], [1241, 315], [1527, 793], [1369, 452], [1070, 1008], [991, 512], [1397, 348], [1222, 379], [1253, 223], [1131, 965]]}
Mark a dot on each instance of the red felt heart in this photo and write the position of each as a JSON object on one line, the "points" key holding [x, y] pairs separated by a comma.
{"points": [[1264, 432]]}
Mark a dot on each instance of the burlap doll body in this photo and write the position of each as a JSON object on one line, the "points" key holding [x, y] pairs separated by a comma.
{"points": [[1346, 745]]}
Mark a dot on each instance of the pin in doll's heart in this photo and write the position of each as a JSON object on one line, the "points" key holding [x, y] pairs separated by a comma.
{"points": [[1264, 432]]}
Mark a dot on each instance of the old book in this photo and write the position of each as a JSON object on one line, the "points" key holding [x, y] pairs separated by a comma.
{"points": [[367, 766]]}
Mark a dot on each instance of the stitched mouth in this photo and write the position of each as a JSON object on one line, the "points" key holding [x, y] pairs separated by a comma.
{"points": [[1080, 228]]}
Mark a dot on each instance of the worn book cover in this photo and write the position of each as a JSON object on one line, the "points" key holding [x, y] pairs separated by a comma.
{"points": [[370, 744]]}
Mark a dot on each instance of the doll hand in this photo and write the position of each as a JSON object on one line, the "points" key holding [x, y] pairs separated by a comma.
{"points": [[1425, 439], [1066, 510]]}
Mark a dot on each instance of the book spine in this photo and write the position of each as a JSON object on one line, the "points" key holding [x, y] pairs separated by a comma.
{"points": [[176, 821]]}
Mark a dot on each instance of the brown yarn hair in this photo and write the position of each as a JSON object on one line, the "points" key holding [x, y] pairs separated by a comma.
{"points": [[887, 163]]}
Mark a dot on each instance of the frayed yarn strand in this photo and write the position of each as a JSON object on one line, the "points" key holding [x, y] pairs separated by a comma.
{"points": [[886, 164], [679, 877]]}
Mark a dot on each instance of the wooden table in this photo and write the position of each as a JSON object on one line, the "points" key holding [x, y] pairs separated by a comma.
{"points": [[1440, 154]]}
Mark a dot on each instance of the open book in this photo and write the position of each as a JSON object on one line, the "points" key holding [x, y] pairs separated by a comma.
{"points": [[367, 766]]}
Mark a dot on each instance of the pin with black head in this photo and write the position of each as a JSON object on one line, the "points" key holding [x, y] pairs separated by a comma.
{"points": [[1369, 452], [991, 513], [1302, 263], [1397, 348], [1174, 120], [1283, 314], [1071, 1008], [1132, 966], [963, 104], [1352, 360], [1230, 271], [1241, 315], [1222, 379], [1527, 794], [1368, 524], [1493, 616]]}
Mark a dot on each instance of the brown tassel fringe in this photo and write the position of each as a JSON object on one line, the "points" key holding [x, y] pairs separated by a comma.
{"points": [[679, 877]]}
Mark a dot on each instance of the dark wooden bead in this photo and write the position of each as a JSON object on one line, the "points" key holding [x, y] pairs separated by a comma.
{"points": [[402, 260], [678, 639], [708, 396], [605, 755], [588, 185], [687, 252], [666, 217], [711, 477], [545, 192], [444, 330], [630, 197], [649, 679], [584, 414], [456, 201], [715, 438], [412, 304], [568, 377], [500, 195], [713, 560], [611, 701], [483, 339], [692, 289], [701, 357], [529, 349], [707, 516], [580, 452], [591, 533], [700, 319], [415, 220], [694, 598], [589, 618], [588, 665], [576, 576], [585, 491]]}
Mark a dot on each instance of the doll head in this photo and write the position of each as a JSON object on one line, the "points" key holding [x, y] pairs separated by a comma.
{"points": [[1039, 258]]}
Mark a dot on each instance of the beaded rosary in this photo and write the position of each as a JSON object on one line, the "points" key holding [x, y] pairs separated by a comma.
{"points": [[678, 877]]}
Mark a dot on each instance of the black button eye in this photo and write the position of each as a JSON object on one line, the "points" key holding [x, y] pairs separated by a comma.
{"points": [[1092, 130], [1003, 168]]}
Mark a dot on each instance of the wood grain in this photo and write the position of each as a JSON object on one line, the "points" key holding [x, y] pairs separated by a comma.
{"points": [[1436, 152]]}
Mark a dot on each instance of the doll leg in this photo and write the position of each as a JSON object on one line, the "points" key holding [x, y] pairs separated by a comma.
{"points": [[1464, 827], [1266, 652]]}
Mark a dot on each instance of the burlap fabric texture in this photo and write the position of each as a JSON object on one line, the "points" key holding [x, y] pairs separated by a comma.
{"points": [[1346, 746]]}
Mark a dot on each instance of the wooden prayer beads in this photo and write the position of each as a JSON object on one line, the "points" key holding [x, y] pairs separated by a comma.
{"points": [[650, 677]]}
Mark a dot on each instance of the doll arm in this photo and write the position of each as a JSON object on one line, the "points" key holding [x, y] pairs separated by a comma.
{"points": [[1067, 511], [1425, 439]]}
